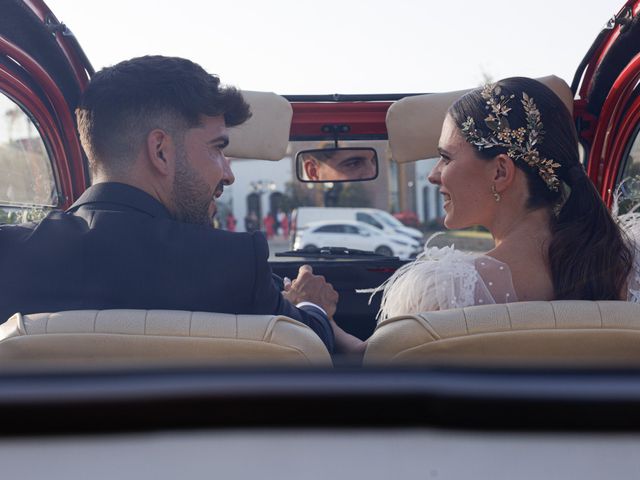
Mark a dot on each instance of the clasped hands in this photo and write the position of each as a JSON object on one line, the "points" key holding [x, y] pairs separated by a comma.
{"points": [[308, 287]]}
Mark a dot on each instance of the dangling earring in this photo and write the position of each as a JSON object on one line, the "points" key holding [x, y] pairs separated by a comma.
{"points": [[495, 194]]}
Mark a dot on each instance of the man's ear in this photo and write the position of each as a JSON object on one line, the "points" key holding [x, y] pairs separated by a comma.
{"points": [[161, 152], [310, 168], [504, 172]]}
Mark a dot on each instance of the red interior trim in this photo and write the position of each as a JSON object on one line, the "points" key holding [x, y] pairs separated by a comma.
{"points": [[602, 166], [363, 118]]}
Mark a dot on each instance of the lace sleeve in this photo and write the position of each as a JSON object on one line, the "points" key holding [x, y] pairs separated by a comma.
{"points": [[495, 284], [440, 278]]}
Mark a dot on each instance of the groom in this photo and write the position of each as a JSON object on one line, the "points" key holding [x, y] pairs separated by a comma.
{"points": [[154, 130]]}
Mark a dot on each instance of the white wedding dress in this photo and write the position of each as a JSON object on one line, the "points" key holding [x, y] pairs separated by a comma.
{"points": [[444, 278]]}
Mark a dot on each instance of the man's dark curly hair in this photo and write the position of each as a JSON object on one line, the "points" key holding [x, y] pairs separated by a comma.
{"points": [[123, 103]]}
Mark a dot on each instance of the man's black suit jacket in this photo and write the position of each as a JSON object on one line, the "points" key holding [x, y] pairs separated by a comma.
{"points": [[117, 247]]}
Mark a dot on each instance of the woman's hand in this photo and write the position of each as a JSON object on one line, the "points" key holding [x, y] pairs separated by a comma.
{"points": [[346, 343]]}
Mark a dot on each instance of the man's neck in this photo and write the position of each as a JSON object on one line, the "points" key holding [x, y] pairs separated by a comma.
{"points": [[133, 179]]}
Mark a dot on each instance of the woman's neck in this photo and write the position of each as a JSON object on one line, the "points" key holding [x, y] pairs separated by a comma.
{"points": [[522, 229]]}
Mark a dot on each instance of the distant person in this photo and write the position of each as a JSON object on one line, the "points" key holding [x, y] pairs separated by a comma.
{"points": [[231, 222], [154, 130], [284, 224], [269, 224], [251, 222]]}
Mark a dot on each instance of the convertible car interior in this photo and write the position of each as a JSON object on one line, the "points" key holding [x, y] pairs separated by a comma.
{"points": [[569, 366], [527, 332]]}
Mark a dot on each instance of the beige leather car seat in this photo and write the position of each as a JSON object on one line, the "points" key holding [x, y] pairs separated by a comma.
{"points": [[553, 332], [266, 134], [164, 335]]}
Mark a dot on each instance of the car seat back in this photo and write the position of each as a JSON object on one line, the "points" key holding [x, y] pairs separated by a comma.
{"points": [[414, 123], [567, 331], [165, 335]]}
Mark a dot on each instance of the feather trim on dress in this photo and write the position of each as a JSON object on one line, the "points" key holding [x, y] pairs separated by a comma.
{"points": [[440, 278]]}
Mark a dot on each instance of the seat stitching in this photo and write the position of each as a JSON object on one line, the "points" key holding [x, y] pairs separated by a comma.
{"points": [[95, 320], [300, 350], [426, 324], [236, 325], [46, 324], [466, 325], [555, 320], [509, 315], [190, 322], [600, 312], [22, 328], [267, 336], [146, 313]]}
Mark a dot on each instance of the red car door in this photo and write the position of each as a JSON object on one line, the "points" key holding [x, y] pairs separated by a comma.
{"points": [[608, 106], [42, 72]]}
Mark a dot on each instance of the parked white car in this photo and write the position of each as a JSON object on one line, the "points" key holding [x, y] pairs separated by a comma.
{"points": [[375, 217], [355, 235]]}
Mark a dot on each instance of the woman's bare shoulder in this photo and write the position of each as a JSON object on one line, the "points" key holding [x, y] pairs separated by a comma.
{"points": [[529, 273]]}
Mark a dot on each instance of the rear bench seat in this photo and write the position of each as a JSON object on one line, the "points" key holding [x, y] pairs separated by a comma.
{"points": [[569, 331]]}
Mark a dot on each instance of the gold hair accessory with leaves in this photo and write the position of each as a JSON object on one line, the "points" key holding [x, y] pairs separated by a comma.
{"points": [[521, 142]]}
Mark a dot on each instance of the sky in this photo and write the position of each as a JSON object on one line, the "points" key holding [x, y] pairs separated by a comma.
{"points": [[345, 46]]}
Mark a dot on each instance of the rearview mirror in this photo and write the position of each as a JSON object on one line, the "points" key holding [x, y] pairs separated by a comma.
{"points": [[337, 164]]}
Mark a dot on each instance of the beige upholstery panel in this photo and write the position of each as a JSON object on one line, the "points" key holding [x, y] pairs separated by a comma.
{"points": [[161, 334], [530, 332], [265, 135], [414, 123]]}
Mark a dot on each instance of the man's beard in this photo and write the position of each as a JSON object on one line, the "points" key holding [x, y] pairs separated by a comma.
{"points": [[191, 195]]}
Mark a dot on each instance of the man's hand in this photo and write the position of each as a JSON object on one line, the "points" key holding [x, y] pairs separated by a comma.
{"points": [[308, 287]]}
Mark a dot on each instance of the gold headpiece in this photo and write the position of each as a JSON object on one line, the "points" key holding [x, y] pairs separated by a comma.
{"points": [[521, 142]]}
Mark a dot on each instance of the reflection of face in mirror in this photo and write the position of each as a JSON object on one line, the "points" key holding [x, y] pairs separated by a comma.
{"points": [[339, 164]]}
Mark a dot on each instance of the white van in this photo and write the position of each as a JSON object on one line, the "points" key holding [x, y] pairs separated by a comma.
{"points": [[377, 218]]}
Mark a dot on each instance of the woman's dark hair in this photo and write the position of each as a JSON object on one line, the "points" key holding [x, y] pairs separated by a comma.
{"points": [[124, 102], [589, 256]]}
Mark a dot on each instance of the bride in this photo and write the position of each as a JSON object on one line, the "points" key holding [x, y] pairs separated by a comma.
{"points": [[509, 162]]}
